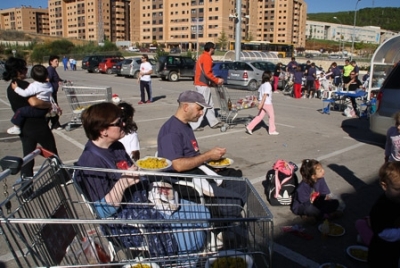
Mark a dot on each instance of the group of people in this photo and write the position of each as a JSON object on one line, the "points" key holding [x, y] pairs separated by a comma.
{"points": [[70, 61]]}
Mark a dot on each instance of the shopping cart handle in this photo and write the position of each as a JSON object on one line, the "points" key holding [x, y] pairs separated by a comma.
{"points": [[12, 163]]}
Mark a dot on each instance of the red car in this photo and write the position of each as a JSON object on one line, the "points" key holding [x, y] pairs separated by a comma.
{"points": [[105, 66]]}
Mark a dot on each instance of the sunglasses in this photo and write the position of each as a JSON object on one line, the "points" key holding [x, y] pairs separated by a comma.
{"points": [[119, 123]]}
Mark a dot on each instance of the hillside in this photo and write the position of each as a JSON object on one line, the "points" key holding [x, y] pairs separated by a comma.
{"points": [[385, 17]]}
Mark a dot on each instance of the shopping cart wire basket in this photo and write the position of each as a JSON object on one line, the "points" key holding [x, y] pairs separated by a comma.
{"points": [[80, 98], [233, 103], [51, 223]]}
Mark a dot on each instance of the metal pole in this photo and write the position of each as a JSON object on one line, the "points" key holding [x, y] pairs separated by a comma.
{"points": [[238, 35], [341, 34], [354, 30]]}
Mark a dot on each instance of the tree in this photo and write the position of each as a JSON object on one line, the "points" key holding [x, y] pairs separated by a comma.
{"points": [[222, 40], [38, 53]]}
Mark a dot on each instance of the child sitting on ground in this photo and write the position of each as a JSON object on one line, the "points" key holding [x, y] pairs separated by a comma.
{"points": [[41, 88], [313, 199], [384, 249]]}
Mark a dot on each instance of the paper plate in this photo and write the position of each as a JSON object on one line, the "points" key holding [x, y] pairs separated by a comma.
{"points": [[359, 253], [334, 229], [142, 265], [230, 254], [215, 163], [140, 163]]}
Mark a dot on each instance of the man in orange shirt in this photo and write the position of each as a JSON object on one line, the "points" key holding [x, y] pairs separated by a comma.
{"points": [[204, 77]]}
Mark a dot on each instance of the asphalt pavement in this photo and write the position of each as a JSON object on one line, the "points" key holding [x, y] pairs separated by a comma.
{"points": [[349, 152]]}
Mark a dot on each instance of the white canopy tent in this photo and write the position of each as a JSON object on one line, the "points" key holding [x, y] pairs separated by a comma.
{"points": [[252, 55], [382, 62]]}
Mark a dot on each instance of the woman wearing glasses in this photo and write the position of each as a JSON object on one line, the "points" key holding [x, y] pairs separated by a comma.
{"points": [[35, 129], [354, 85], [118, 195]]}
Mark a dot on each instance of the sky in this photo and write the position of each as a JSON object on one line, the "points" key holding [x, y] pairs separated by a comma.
{"points": [[314, 6]]}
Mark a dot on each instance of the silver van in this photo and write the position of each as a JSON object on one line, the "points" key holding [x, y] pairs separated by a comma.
{"points": [[388, 103], [131, 67], [244, 74]]}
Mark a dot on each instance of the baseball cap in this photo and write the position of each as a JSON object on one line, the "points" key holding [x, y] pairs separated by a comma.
{"points": [[193, 97]]}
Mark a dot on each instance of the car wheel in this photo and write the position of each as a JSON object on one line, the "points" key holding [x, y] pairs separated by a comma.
{"points": [[109, 71], [89, 71], [164, 78], [173, 76], [136, 75], [252, 86], [96, 70]]}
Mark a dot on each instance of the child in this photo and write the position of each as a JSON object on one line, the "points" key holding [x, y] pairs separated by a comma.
{"points": [[41, 88], [298, 80], [265, 106], [392, 147], [384, 249], [130, 140], [313, 198]]}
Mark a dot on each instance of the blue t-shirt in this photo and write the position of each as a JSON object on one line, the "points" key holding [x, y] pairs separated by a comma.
{"points": [[298, 77], [311, 73], [291, 67], [304, 191], [176, 140], [98, 184]]}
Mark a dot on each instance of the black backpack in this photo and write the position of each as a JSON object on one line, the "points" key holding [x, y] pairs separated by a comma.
{"points": [[286, 183]]}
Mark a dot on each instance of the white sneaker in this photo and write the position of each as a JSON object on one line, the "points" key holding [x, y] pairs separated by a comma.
{"points": [[248, 131], [14, 130], [274, 133]]}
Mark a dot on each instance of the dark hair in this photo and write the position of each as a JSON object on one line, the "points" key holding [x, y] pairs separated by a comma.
{"points": [[12, 67], [39, 73], [208, 46], [127, 112], [293, 58], [308, 169], [53, 57], [389, 172], [97, 118], [266, 76], [146, 57]]}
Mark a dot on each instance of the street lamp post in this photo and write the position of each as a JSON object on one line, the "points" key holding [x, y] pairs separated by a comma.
{"points": [[354, 30], [341, 34]]}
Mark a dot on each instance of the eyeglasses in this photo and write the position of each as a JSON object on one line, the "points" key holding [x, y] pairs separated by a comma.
{"points": [[119, 123]]}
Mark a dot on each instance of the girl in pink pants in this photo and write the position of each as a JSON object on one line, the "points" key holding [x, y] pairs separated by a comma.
{"points": [[265, 106]]}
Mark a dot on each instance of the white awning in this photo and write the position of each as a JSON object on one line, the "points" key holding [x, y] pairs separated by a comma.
{"points": [[252, 55]]}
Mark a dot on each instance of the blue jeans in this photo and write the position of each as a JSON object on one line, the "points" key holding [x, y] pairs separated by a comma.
{"points": [[145, 85]]}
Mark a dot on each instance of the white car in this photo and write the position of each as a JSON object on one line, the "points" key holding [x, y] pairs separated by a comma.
{"points": [[133, 49]]}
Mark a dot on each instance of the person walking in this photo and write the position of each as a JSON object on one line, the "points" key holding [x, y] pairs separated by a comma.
{"points": [[65, 63], [265, 106], [203, 78], [145, 80], [55, 81], [277, 73]]}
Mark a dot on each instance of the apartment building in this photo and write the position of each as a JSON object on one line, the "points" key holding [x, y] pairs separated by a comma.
{"points": [[26, 19], [186, 24], [95, 20]]}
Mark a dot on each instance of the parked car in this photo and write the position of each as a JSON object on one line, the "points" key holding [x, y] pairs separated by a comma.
{"points": [[91, 63], [133, 49], [244, 74], [175, 50], [105, 66], [221, 69], [116, 68], [388, 103], [131, 67], [335, 56], [172, 68]]}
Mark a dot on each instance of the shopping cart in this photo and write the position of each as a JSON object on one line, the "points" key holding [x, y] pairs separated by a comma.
{"points": [[80, 98], [50, 223], [231, 104]]}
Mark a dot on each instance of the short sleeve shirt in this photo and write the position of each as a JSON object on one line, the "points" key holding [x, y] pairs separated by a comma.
{"points": [[176, 140], [266, 89], [145, 67]]}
